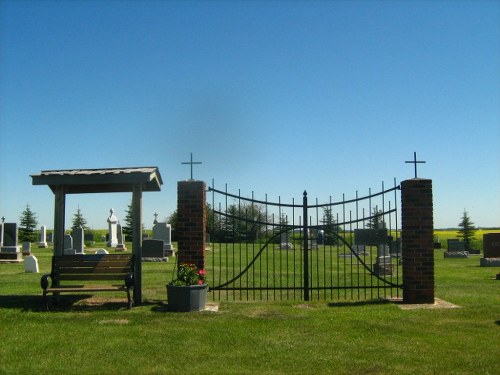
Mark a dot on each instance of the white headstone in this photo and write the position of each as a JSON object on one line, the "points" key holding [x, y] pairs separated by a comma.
{"points": [[31, 264], [1, 234], [42, 240], [112, 230], [78, 240], [120, 246], [162, 231], [102, 251]]}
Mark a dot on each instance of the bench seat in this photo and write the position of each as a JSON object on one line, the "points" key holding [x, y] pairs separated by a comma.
{"points": [[68, 269]]}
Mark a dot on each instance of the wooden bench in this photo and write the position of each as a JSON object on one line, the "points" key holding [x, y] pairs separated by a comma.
{"points": [[96, 267]]}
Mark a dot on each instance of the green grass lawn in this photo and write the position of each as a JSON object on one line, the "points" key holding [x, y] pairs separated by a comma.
{"points": [[98, 335]]}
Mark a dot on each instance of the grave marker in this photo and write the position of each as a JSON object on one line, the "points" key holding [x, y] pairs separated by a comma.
{"points": [[112, 229], [31, 264], [163, 231], [42, 238], [78, 240], [10, 250]]}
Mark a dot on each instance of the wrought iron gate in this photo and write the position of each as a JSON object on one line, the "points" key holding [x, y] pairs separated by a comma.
{"points": [[346, 250]]}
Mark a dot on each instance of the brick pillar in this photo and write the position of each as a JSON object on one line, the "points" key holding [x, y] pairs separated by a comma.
{"points": [[191, 222], [417, 241]]}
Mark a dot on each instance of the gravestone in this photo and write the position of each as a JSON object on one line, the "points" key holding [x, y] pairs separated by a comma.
{"points": [[456, 249], [370, 237], [285, 243], [120, 246], [31, 264], [50, 237], [491, 245], [42, 238], [153, 250], [360, 250], [163, 231], [10, 250], [1, 234], [491, 250], [396, 247], [207, 241], [321, 237], [26, 247], [112, 229], [102, 251], [68, 245], [78, 240]]}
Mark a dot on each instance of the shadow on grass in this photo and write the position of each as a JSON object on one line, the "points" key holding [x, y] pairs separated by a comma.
{"points": [[359, 303], [77, 302]]}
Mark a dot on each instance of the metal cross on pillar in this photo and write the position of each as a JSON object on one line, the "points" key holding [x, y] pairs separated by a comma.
{"points": [[415, 162], [191, 162]]}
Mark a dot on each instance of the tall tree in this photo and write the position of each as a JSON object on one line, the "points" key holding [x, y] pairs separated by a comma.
{"points": [[330, 227], [376, 219], [79, 220], [28, 223], [466, 231], [129, 220]]}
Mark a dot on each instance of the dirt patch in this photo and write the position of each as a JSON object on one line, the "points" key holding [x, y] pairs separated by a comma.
{"points": [[115, 321], [438, 304]]}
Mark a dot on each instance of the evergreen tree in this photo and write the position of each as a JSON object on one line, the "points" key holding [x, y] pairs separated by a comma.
{"points": [[330, 227], [79, 220], [376, 219], [28, 223], [466, 231], [129, 220]]}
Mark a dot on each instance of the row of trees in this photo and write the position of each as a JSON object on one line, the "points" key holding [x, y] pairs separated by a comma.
{"points": [[242, 223]]}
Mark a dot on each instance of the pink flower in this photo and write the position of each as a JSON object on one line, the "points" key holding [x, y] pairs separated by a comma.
{"points": [[200, 282], [202, 272]]}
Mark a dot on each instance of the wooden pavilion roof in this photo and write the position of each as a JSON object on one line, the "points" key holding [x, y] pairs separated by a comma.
{"points": [[106, 180]]}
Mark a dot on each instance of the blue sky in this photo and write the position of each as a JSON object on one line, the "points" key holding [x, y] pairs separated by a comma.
{"points": [[272, 97]]}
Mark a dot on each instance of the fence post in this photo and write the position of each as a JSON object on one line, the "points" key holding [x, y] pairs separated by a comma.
{"points": [[417, 241], [305, 229], [191, 222]]}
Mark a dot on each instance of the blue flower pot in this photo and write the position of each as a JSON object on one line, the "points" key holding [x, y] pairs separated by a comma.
{"points": [[186, 298]]}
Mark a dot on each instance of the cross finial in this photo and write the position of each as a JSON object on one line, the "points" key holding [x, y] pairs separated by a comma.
{"points": [[156, 217], [415, 162], [3, 219], [191, 162]]}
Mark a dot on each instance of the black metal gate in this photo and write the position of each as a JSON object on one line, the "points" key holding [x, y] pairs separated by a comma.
{"points": [[346, 250]]}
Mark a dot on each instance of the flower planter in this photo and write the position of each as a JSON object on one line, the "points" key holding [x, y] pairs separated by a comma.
{"points": [[186, 298]]}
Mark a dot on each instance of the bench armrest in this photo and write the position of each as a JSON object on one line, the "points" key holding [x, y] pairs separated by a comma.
{"points": [[129, 280], [44, 281]]}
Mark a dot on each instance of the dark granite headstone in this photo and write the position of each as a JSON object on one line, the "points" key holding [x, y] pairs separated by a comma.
{"points": [[370, 237], [9, 234], [455, 246], [491, 243], [152, 249]]}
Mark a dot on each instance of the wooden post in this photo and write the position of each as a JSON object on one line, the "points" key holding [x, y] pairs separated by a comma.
{"points": [[137, 241], [59, 216]]}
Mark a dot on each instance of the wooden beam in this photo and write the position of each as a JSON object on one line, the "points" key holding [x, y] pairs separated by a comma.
{"points": [[137, 241], [59, 218]]}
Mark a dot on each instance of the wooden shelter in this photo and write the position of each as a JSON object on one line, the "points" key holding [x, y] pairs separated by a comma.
{"points": [[108, 180]]}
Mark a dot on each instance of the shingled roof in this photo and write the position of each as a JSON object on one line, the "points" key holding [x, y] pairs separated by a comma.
{"points": [[106, 180]]}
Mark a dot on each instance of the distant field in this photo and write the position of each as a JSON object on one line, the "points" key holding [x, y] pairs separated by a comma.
{"points": [[442, 235]]}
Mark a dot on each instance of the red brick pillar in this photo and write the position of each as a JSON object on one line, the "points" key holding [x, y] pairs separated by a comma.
{"points": [[417, 241], [191, 222]]}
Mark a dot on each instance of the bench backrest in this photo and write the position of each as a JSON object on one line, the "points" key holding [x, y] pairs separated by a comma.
{"points": [[92, 267]]}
